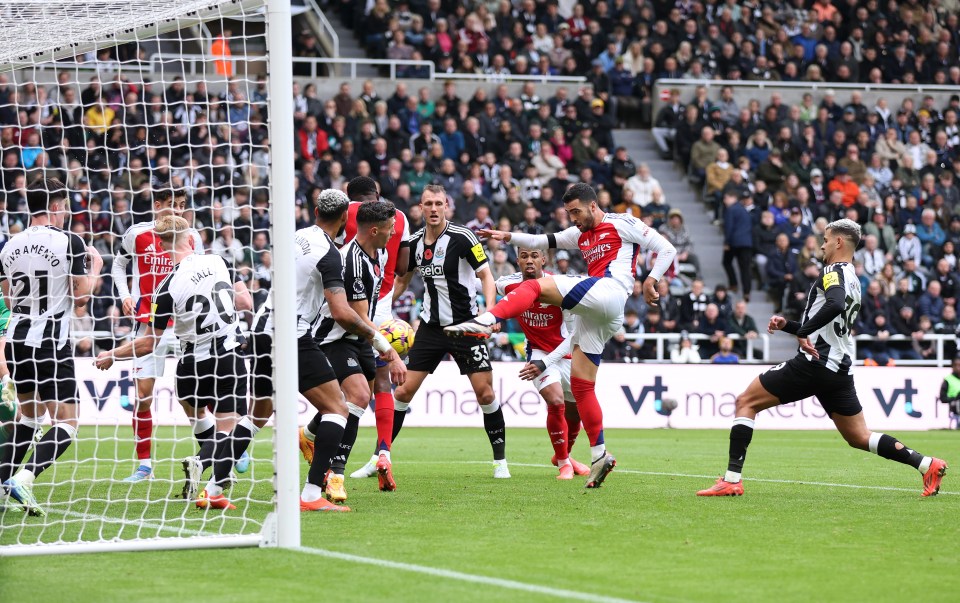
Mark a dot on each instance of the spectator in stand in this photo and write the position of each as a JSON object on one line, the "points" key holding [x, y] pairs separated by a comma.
{"points": [[702, 154], [645, 187], [685, 352], [846, 186], [737, 245], [877, 351], [931, 303], [726, 354], [714, 326], [692, 306], [930, 235], [675, 231], [780, 266], [795, 229], [909, 247]]}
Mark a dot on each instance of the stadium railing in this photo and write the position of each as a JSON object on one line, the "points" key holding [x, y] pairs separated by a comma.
{"points": [[663, 338], [941, 360], [333, 39], [896, 91]]}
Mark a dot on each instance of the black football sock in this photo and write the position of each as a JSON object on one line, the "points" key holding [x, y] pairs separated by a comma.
{"points": [[740, 435], [891, 448], [229, 448], [54, 443], [329, 433], [313, 425], [496, 429], [399, 413], [13, 451], [208, 449], [339, 461]]}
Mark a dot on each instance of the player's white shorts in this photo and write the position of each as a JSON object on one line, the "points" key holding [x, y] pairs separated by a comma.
{"points": [[384, 309], [597, 304], [558, 372], [151, 366]]}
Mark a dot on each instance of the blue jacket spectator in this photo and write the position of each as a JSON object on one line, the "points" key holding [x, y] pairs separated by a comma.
{"points": [[795, 229], [453, 142], [931, 303], [737, 226]]}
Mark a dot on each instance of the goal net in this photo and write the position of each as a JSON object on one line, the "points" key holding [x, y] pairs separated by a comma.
{"points": [[130, 103]]}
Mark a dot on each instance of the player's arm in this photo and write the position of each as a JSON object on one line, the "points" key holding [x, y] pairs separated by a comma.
{"points": [[488, 285], [143, 345], [400, 284], [634, 231], [82, 279], [242, 299], [567, 239], [833, 292], [118, 272], [477, 258]]}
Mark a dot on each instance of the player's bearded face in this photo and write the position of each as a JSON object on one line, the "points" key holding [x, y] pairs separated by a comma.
{"points": [[580, 215]]}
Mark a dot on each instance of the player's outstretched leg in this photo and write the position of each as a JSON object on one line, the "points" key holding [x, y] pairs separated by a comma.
{"points": [[512, 305], [854, 430]]}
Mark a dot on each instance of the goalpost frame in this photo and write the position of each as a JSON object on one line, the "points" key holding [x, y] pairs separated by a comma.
{"points": [[281, 527]]}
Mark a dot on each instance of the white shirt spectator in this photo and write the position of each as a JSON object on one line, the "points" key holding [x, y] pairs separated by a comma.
{"points": [[873, 261], [644, 190], [909, 247]]}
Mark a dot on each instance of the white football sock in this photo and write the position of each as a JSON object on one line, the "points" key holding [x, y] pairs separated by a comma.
{"points": [[311, 492]]}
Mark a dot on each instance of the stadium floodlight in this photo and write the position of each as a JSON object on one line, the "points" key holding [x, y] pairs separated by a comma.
{"points": [[119, 99]]}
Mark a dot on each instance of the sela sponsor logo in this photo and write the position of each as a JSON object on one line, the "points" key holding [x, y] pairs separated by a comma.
{"points": [[430, 271]]}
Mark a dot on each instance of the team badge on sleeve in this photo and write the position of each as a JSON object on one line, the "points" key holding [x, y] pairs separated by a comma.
{"points": [[478, 252]]}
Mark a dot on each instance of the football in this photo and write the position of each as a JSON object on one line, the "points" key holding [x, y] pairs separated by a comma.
{"points": [[399, 334]]}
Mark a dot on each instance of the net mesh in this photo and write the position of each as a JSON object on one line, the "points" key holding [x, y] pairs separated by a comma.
{"points": [[117, 122]]}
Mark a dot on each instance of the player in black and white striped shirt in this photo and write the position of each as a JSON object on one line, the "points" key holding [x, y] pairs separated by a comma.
{"points": [[821, 369], [44, 277], [352, 358], [450, 260], [201, 303]]}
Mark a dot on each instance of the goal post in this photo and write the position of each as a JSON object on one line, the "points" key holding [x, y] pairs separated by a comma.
{"points": [[222, 131]]}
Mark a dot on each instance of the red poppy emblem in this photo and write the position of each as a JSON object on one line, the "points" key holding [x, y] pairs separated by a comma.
{"points": [[428, 254]]}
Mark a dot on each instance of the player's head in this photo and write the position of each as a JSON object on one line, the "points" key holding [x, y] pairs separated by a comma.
{"points": [[47, 196], [375, 222], [332, 207], [363, 188], [580, 201], [433, 202], [174, 232], [531, 262], [169, 201], [840, 241]]}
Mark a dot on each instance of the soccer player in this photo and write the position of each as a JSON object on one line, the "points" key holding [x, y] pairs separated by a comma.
{"points": [[364, 190], [44, 276], [610, 244], [450, 259], [151, 264], [8, 392], [365, 262], [196, 297], [319, 270], [548, 363], [821, 368]]}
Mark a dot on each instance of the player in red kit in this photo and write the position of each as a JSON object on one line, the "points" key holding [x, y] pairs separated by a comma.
{"points": [[140, 246], [362, 190], [548, 363], [610, 244]]}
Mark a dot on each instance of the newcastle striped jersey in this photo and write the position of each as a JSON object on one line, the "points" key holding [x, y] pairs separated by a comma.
{"points": [[834, 341], [39, 265], [448, 267], [362, 280], [318, 267], [198, 297]]}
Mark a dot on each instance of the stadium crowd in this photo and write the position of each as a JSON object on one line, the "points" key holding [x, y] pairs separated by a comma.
{"points": [[773, 173]]}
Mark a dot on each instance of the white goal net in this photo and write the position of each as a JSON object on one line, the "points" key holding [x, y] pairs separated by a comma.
{"points": [[119, 113]]}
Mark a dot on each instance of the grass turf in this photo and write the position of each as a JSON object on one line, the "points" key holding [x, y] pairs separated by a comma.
{"points": [[643, 536]]}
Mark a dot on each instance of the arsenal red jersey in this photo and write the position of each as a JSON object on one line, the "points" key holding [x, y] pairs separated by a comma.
{"points": [[542, 324]]}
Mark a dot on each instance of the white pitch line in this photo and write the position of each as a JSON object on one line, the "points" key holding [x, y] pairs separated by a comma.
{"points": [[559, 593], [692, 475]]}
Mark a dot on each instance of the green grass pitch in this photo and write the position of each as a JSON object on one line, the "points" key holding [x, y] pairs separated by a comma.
{"points": [[804, 535]]}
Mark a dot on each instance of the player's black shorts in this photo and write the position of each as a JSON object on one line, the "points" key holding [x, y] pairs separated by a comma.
{"points": [[44, 370], [798, 378], [261, 364], [314, 367], [218, 383], [430, 346], [351, 357]]}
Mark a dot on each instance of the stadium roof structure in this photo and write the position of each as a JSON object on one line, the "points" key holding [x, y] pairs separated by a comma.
{"points": [[43, 30]]}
